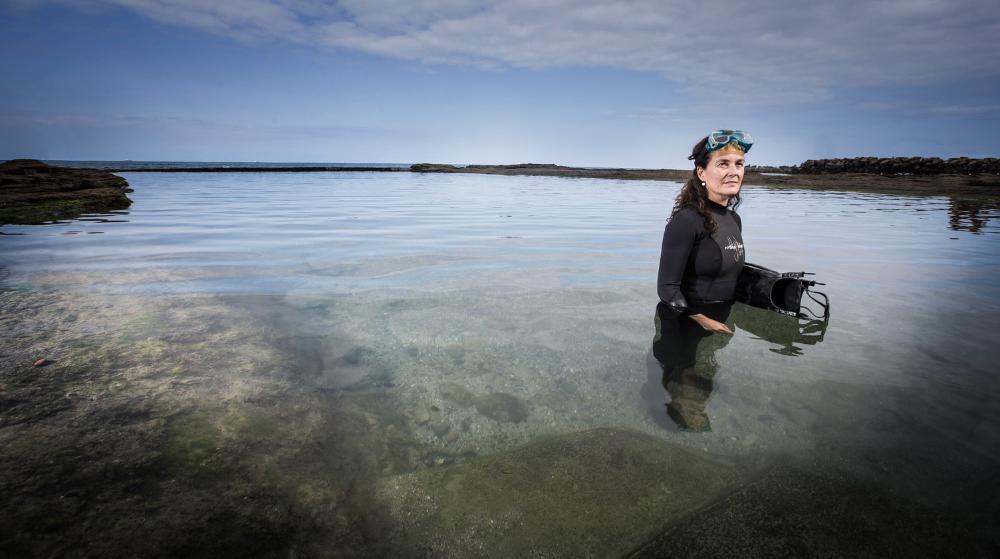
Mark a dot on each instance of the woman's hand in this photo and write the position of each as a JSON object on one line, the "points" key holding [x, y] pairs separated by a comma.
{"points": [[711, 325]]}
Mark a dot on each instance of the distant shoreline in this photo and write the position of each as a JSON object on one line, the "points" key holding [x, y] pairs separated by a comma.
{"points": [[937, 184], [943, 184]]}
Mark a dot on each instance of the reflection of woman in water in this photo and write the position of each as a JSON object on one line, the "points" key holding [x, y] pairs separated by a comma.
{"points": [[700, 260]]}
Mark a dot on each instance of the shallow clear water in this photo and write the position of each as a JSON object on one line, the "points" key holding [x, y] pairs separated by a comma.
{"points": [[484, 312]]}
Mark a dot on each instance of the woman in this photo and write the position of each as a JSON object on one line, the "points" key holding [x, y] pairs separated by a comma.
{"points": [[700, 261]]}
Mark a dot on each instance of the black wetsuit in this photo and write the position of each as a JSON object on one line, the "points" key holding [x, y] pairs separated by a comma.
{"points": [[698, 275], [699, 267]]}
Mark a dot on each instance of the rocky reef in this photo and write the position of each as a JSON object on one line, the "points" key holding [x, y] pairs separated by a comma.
{"points": [[892, 166], [34, 192], [902, 175]]}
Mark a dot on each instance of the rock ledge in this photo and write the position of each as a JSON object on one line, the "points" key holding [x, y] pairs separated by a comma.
{"points": [[33, 192]]}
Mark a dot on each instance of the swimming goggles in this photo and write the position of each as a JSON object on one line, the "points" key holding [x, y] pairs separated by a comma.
{"points": [[721, 138]]}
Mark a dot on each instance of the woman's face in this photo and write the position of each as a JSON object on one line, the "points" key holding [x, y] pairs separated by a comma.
{"points": [[723, 176]]}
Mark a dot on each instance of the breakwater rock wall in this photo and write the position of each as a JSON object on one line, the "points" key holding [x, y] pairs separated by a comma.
{"points": [[34, 192], [551, 170], [893, 166], [520, 168]]}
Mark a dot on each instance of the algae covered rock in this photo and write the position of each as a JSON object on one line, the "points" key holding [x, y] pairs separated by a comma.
{"points": [[797, 512], [503, 408], [498, 406], [593, 493], [34, 192]]}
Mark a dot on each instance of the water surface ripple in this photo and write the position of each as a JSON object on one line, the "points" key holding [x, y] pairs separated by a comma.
{"points": [[263, 331]]}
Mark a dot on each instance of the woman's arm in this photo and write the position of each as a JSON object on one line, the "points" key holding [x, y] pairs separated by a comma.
{"points": [[711, 325], [678, 238]]}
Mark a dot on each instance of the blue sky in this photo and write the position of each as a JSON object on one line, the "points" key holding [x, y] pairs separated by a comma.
{"points": [[630, 84]]}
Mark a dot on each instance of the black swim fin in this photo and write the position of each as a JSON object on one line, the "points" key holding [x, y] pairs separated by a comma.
{"points": [[782, 293]]}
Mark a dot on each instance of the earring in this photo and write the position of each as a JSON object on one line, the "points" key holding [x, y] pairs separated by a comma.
{"points": [[703, 183]]}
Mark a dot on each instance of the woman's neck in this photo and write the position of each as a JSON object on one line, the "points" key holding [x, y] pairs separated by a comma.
{"points": [[720, 200]]}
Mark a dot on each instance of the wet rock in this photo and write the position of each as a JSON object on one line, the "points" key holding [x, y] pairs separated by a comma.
{"points": [[595, 493], [502, 407], [34, 192], [434, 168]]}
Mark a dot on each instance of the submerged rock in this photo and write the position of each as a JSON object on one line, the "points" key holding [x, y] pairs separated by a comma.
{"points": [[595, 493], [440, 427], [457, 394], [34, 192], [792, 512], [497, 406], [502, 407], [421, 415]]}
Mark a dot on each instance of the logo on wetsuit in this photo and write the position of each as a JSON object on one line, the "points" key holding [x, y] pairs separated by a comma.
{"points": [[736, 246]]}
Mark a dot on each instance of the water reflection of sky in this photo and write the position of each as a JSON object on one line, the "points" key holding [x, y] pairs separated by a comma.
{"points": [[908, 263]]}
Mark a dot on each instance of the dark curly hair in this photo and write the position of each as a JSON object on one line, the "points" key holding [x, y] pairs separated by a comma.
{"points": [[694, 193]]}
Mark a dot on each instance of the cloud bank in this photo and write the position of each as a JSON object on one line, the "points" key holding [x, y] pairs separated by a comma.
{"points": [[752, 51]]}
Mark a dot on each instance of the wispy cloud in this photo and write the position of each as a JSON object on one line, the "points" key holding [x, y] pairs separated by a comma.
{"points": [[751, 51], [911, 107], [651, 113], [964, 109]]}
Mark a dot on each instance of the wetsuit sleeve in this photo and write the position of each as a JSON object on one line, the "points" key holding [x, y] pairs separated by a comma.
{"points": [[739, 222], [678, 239]]}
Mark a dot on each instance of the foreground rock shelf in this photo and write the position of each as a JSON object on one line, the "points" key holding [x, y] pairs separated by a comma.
{"points": [[595, 493], [33, 192]]}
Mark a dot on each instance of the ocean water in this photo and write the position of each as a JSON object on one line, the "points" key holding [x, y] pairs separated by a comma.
{"points": [[392, 363], [131, 165]]}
